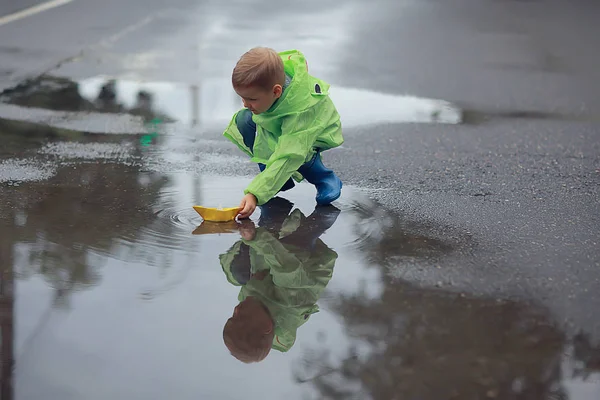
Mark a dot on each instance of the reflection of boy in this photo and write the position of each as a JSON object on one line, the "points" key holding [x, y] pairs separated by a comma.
{"points": [[281, 275]]}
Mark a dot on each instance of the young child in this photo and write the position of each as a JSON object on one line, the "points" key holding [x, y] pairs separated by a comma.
{"points": [[288, 120], [282, 269]]}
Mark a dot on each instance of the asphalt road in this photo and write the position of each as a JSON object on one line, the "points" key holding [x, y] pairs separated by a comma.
{"points": [[514, 188]]}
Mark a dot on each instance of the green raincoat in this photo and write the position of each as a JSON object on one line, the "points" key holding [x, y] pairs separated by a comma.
{"points": [[303, 119], [295, 280]]}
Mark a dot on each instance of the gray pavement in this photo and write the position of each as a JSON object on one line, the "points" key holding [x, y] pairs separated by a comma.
{"points": [[468, 255]]}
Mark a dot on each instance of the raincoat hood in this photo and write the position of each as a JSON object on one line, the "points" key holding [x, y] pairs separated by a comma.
{"points": [[303, 92]]}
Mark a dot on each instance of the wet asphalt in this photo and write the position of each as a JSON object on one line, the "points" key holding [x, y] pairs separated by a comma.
{"points": [[461, 262]]}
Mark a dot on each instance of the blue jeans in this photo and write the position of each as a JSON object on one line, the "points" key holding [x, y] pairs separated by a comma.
{"points": [[247, 127]]}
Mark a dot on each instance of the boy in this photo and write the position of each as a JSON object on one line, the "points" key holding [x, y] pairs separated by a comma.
{"points": [[287, 121]]}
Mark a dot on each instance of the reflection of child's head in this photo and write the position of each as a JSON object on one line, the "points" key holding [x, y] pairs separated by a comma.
{"points": [[248, 334]]}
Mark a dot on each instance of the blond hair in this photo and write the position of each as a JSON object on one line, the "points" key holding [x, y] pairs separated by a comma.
{"points": [[261, 67]]}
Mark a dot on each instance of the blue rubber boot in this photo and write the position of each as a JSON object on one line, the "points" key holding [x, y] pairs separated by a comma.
{"points": [[274, 213], [247, 128], [313, 227], [329, 186]]}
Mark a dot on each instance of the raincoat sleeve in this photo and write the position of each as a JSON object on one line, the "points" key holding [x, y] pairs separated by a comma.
{"points": [[273, 252], [295, 145], [226, 259]]}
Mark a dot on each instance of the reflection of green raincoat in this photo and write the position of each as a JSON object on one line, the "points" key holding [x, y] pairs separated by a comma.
{"points": [[302, 119], [296, 279]]}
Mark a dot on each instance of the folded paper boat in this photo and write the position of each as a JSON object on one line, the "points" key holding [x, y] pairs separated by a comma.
{"points": [[217, 214]]}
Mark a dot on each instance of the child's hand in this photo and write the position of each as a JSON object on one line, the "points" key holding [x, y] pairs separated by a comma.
{"points": [[247, 206]]}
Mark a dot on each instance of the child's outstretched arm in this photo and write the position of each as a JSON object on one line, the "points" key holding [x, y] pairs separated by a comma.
{"points": [[294, 146]]}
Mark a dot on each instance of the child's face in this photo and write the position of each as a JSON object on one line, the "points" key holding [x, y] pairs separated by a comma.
{"points": [[257, 99]]}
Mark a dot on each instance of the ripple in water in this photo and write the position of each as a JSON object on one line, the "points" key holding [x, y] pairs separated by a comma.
{"points": [[170, 229], [181, 217], [168, 243], [166, 225]]}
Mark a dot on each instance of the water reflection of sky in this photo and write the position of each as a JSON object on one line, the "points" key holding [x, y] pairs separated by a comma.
{"points": [[213, 102]]}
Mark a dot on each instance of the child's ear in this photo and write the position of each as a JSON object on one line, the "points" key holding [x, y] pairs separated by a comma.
{"points": [[277, 90], [270, 328]]}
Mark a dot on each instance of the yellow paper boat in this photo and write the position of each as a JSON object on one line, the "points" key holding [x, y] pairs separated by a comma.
{"points": [[217, 214]]}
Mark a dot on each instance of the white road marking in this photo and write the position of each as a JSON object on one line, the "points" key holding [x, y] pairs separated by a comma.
{"points": [[32, 11]]}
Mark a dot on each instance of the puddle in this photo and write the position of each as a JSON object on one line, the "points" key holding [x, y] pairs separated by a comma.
{"points": [[208, 104], [119, 283]]}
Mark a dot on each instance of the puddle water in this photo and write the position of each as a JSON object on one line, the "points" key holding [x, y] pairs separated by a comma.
{"points": [[121, 291], [209, 104]]}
